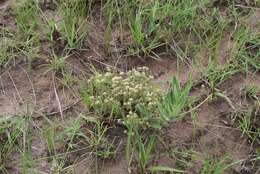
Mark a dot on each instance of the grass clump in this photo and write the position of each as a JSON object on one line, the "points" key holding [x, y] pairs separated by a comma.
{"points": [[26, 17], [12, 46], [83, 134], [216, 166], [246, 51], [7, 48], [11, 130], [209, 28], [248, 119], [174, 101], [252, 92], [216, 76], [80, 134], [183, 157], [57, 64], [73, 24]]}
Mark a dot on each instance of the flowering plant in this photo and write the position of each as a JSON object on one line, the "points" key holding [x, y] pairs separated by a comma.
{"points": [[124, 96]]}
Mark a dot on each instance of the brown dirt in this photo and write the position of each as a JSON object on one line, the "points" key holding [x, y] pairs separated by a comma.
{"points": [[3, 4], [20, 89]]}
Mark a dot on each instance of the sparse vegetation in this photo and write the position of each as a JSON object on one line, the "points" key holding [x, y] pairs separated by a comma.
{"points": [[140, 87]]}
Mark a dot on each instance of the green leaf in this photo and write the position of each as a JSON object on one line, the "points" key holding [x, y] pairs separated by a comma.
{"points": [[174, 101]]}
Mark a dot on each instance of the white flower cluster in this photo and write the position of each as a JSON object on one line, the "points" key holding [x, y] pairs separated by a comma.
{"points": [[117, 94]]}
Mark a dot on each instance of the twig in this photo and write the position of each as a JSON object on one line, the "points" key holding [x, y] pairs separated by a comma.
{"points": [[220, 94], [34, 94], [64, 109], [175, 47], [2, 86], [21, 100], [243, 6], [80, 56], [57, 97], [196, 107]]}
